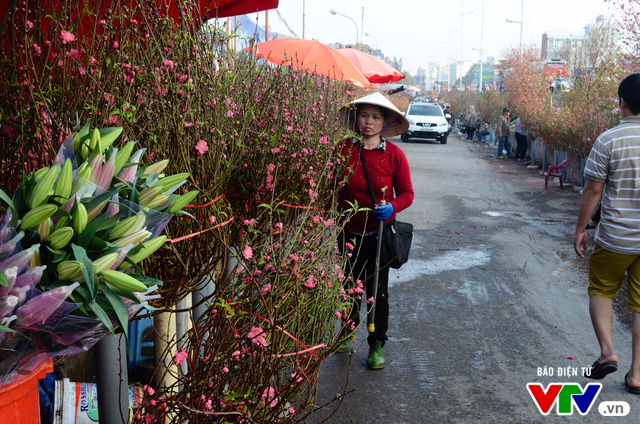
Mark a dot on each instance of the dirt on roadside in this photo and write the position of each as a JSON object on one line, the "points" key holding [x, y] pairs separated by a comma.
{"points": [[555, 201]]}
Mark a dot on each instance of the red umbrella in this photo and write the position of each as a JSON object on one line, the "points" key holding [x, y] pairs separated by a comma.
{"points": [[376, 70], [310, 56], [208, 8]]}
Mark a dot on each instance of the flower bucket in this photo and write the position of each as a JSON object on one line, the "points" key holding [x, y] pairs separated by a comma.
{"points": [[19, 400]]}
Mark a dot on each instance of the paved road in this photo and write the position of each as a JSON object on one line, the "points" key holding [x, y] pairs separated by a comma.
{"points": [[493, 292]]}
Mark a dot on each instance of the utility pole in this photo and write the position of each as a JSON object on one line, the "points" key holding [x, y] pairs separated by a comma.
{"points": [[481, 40]]}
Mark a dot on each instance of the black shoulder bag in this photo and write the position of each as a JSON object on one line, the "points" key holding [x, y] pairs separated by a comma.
{"points": [[396, 235]]}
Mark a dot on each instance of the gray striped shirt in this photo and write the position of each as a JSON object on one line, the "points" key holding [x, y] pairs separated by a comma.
{"points": [[615, 161]]}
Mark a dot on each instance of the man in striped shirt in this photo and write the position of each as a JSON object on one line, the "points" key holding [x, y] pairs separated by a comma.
{"points": [[613, 175]]}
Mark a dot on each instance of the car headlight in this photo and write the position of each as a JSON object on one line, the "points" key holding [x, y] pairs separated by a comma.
{"points": [[411, 121]]}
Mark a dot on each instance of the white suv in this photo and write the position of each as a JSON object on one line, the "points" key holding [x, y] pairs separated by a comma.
{"points": [[426, 120]]}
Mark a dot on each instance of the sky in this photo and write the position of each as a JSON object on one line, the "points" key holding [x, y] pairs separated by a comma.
{"points": [[421, 31]]}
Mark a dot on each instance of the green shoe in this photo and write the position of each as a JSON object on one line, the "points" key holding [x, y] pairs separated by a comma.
{"points": [[376, 358], [346, 344]]}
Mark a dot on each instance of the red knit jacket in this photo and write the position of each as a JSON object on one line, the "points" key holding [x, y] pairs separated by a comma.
{"points": [[387, 167]]}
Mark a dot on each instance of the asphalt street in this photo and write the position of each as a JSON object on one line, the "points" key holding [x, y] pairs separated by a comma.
{"points": [[493, 296]]}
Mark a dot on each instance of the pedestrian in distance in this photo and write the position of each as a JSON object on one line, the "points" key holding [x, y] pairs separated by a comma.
{"points": [[504, 129], [470, 123], [521, 140], [373, 118], [612, 170]]}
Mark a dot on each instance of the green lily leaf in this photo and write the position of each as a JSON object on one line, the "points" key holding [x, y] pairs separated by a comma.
{"points": [[147, 281], [85, 130], [58, 255], [120, 309], [96, 200], [87, 269], [82, 295], [124, 293], [108, 136], [183, 212], [3, 280], [90, 230], [102, 316], [6, 329], [110, 222], [14, 214]]}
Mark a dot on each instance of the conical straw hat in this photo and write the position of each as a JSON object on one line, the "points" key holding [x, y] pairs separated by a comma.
{"points": [[396, 123]]}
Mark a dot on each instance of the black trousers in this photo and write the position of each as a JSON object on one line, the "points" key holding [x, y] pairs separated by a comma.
{"points": [[361, 266], [521, 150], [470, 131]]}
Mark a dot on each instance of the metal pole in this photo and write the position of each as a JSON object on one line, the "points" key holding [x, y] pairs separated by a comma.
{"points": [[481, 40], [461, 37], [112, 380], [303, 17], [371, 317], [521, 25], [362, 28], [461, 30], [333, 12]]}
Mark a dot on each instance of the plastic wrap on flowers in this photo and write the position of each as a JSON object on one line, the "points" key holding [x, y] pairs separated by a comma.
{"points": [[70, 247], [37, 325]]}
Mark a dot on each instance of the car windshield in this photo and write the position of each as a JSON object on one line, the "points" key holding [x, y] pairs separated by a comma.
{"points": [[424, 110]]}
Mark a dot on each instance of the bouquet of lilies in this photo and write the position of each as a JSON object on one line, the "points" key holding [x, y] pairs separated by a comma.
{"points": [[70, 247]]}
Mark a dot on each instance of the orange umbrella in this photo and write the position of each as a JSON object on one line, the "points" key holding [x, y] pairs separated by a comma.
{"points": [[376, 70], [310, 56]]}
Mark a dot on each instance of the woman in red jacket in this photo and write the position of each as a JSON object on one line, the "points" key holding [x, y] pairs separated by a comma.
{"points": [[372, 118]]}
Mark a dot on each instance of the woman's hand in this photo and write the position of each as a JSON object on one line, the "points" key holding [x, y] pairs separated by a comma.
{"points": [[383, 212]]}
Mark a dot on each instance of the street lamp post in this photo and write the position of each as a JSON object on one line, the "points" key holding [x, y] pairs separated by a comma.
{"points": [[449, 60], [372, 36], [461, 35], [333, 12], [521, 22], [481, 40], [362, 27]]}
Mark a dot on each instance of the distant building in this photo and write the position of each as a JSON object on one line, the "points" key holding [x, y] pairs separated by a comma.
{"points": [[459, 70], [421, 74], [555, 44]]}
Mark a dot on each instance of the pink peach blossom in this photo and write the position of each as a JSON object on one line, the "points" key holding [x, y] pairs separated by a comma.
{"points": [[67, 37]]}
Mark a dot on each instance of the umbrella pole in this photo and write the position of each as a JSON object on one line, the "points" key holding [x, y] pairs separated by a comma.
{"points": [[371, 326]]}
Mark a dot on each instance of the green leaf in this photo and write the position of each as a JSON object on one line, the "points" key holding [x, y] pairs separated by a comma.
{"points": [[96, 200], [109, 135], [125, 293], [183, 212], [119, 308], [110, 222], [85, 130], [87, 269], [6, 329], [146, 280], [90, 230], [7, 200], [102, 316], [84, 294], [3, 280]]}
